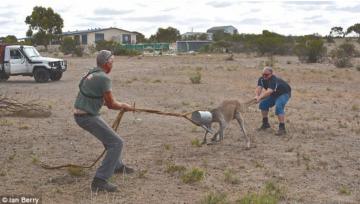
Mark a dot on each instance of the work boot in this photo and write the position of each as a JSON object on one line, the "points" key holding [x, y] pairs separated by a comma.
{"points": [[264, 127], [124, 169], [281, 132], [102, 185]]}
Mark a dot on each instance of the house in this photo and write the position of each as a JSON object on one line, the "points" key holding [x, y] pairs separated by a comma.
{"points": [[226, 29], [91, 36], [196, 36]]}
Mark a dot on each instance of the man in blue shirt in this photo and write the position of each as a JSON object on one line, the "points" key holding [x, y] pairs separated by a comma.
{"points": [[272, 91]]}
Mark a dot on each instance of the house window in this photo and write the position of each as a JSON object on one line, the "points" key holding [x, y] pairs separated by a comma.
{"points": [[126, 39], [99, 36], [84, 39]]}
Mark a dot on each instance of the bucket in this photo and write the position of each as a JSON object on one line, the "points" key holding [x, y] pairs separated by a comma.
{"points": [[201, 117]]}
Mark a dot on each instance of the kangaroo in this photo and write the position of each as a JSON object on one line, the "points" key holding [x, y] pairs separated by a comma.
{"points": [[223, 114]]}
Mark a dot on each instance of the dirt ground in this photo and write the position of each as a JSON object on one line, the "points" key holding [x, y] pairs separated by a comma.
{"points": [[317, 162]]}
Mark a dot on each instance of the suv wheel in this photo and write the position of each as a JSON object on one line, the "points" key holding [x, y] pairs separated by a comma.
{"points": [[41, 75], [3, 76], [55, 75]]}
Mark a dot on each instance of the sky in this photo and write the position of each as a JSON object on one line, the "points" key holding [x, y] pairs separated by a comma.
{"points": [[283, 17]]}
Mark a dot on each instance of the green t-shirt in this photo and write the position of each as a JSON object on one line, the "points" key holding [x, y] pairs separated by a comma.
{"points": [[94, 85]]}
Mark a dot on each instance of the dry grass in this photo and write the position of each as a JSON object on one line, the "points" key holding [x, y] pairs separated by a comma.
{"points": [[76, 171], [192, 176]]}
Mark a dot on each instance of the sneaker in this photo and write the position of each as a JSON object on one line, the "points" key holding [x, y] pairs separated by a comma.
{"points": [[280, 132], [102, 185], [124, 169], [263, 127]]}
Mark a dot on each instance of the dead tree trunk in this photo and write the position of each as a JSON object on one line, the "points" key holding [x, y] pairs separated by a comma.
{"points": [[11, 107]]}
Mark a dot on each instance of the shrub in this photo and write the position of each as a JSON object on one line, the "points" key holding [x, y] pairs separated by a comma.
{"points": [[340, 58], [106, 45], [192, 176], [196, 143], [229, 177], [78, 51], [68, 45], [310, 49], [270, 195], [196, 78], [173, 168], [92, 49], [343, 190], [119, 50], [348, 48], [214, 198], [272, 43]]}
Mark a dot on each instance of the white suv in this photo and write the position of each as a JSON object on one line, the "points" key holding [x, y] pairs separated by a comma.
{"points": [[26, 61]]}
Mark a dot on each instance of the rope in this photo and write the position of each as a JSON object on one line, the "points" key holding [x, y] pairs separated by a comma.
{"points": [[116, 125]]}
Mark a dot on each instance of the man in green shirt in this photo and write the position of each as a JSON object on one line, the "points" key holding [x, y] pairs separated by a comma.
{"points": [[94, 92]]}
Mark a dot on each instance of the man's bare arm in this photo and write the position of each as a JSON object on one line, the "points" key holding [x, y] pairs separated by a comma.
{"points": [[111, 103]]}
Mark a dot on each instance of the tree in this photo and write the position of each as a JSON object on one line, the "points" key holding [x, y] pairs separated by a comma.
{"points": [[10, 39], [203, 36], [46, 23], [140, 38], [337, 31], [221, 35], [354, 28], [168, 35]]}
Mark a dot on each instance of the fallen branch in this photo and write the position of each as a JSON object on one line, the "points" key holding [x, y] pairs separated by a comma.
{"points": [[11, 107]]}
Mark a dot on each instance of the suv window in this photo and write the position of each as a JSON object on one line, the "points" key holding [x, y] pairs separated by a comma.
{"points": [[15, 54]]}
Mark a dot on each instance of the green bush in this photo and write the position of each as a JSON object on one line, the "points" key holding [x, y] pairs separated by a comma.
{"points": [[340, 58], [196, 78], [79, 51], [342, 55], [68, 45], [106, 45], [310, 49], [344, 190], [119, 50], [349, 49], [272, 43], [196, 143], [192, 176]]}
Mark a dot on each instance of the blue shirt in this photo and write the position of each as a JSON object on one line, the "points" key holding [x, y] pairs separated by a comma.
{"points": [[278, 85]]}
